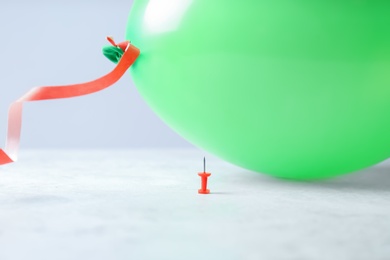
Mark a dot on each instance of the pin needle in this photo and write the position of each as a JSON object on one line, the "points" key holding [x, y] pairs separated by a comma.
{"points": [[204, 164]]}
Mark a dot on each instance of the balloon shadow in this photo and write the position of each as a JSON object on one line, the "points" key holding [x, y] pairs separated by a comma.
{"points": [[375, 178]]}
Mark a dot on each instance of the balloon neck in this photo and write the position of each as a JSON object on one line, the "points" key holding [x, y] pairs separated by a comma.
{"points": [[115, 52]]}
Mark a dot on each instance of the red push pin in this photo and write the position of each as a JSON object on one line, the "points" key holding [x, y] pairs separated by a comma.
{"points": [[204, 175]]}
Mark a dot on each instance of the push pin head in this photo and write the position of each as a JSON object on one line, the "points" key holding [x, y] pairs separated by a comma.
{"points": [[204, 175]]}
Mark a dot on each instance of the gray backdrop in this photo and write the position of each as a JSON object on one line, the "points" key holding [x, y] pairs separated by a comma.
{"points": [[55, 42]]}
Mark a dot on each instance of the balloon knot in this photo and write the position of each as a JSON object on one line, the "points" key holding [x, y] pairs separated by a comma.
{"points": [[115, 52]]}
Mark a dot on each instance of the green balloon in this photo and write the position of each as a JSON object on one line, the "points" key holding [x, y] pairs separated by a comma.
{"points": [[294, 89]]}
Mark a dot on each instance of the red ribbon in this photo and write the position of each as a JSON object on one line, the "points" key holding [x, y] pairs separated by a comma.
{"points": [[10, 153]]}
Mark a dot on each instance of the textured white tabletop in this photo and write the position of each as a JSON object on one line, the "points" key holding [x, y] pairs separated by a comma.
{"points": [[143, 204]]}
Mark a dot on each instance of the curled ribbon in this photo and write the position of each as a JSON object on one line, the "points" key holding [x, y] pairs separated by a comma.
{"points": [[10, 152]]}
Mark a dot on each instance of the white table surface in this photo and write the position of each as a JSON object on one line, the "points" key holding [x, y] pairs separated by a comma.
{"points": [[143, 204]]}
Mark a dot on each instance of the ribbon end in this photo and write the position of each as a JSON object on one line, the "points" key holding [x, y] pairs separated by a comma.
{"points": [[4, 158]]}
